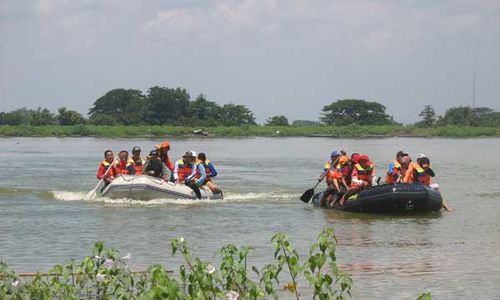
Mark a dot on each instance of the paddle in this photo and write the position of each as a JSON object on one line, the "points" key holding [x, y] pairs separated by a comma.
{"points": [[447, 207], [306, 197], [91, 195]]}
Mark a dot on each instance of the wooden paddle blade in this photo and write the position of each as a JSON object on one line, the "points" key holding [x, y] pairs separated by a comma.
{"points": [[307, 195]]}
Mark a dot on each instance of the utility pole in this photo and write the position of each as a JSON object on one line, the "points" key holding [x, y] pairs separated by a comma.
{"points": [[474, 89]]}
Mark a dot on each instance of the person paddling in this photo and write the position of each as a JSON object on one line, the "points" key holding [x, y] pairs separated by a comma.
{"points": [[104, 166]]}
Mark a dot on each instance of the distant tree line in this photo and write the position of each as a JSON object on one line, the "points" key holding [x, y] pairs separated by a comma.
{"points": [[460, 116], [173, 106]]}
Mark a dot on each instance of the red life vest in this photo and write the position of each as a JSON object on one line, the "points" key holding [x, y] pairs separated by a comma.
{"points": [[122, 167], [364, 174], [103, 167], [138, 164], [421, 175], [392, 175], [183, 170]]}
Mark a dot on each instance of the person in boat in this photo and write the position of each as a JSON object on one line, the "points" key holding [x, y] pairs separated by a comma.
{"points": [[421, 172], [394, 172], [362, 177], [336, 178], [350, 167], [163, 149], [104, 166], [185, 172], [329, 165], [124, 166], [187, 168], [136, 160], [210, 172], [155, 167]]}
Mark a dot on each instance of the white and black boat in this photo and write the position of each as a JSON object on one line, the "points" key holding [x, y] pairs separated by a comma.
{"points": [[143, 187]]}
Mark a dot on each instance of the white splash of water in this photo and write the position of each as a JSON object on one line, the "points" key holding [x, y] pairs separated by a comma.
{"points": [[68, 196]]}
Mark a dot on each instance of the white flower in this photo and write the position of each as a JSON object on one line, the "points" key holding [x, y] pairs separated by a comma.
{"points": [[232, 295], [15, 283], [100, 277], [127, 257], [210, 269], [181, 239], [97, 258], [108, 263]]}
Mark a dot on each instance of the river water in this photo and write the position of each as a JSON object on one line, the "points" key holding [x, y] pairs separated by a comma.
{"points": [[44, 221]]}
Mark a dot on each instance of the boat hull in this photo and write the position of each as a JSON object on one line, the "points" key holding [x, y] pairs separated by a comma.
{"points": [[145, 187], [391, 198]]}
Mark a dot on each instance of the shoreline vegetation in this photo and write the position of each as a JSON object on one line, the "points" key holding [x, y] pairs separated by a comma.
{"points": [[106, 275], [155, 131]]}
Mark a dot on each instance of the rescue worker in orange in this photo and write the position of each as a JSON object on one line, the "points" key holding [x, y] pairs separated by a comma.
{"points": [[421, 172], [185, 170], [155, 167], [329, 165], [163, 149], [350, 167], [136, 160], [394, 173], [124, 166], [107, 163], [362, 177], [210, 172], [336, 176]]}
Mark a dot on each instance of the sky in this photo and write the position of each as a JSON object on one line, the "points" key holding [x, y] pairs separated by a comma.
{"points": [[277, 57]]}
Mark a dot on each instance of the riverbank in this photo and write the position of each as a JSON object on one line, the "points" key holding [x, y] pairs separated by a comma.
{"points": [[246, 131]]}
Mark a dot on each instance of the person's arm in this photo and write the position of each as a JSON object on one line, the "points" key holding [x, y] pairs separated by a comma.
{"points": [[176, 173], [430, 172], [213, 172], [203, 175], [130, 168], [169, 164], [101, 171], [164, 172]]}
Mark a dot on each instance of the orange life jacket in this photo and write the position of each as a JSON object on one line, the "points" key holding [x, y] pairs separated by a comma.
{"points": [[208, 172], [184, 170], [392, 175], [364, 174], [418, 174], [123, 167], [138, 164], [103, 167]]}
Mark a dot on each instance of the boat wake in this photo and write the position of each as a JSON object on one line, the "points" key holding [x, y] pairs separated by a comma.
{"points": [[228, 197]]}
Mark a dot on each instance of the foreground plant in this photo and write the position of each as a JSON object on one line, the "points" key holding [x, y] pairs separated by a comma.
{"points": [[105, 275]]}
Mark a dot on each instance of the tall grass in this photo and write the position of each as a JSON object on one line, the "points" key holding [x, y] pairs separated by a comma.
{"points": [[245, 131]]}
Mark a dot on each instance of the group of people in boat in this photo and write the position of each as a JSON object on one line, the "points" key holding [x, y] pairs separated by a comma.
{"points": [[346, 176], [192, 170]]}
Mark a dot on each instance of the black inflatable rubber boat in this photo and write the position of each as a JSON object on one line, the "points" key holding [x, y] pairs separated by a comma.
{"points": [[390, 198]]}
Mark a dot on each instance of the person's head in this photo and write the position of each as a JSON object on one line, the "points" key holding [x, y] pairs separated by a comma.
{"points": [[108, 156], [153, 154], [136, 151], [400, 155], [405, 161], [189, 157], [123, 155], [202, 157], [364, 160], [334, 154], [355, 157], [163, 148], [424, 162]]}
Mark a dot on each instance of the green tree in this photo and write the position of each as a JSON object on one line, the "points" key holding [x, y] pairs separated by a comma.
{"points": [[126, 107], [42, 116], [167, 106], [305, 123], [467, 116], [19, 116], [277, 121], [428, 117], [236, 115], [354, 111], [203, 112], [69, 117]]}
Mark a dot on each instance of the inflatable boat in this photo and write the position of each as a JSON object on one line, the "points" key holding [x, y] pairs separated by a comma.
{"points": [[145, 187], [390, 198]]}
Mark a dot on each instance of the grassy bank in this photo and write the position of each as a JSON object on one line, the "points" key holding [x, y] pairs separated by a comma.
{"points": [[245, 131]]}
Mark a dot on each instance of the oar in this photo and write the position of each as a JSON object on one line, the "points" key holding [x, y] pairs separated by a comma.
{"points": [[306, 197], [91, 195], [446, 206]]}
